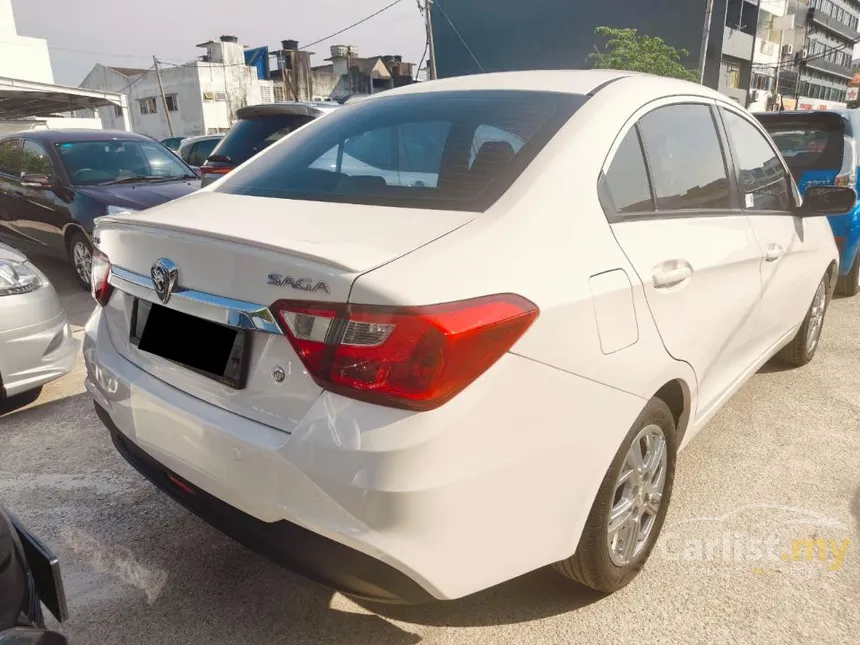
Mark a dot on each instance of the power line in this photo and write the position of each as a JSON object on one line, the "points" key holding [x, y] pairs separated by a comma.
{"points": [[462, 40], [355, 24]]}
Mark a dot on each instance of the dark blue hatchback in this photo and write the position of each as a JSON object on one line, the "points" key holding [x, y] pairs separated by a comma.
{"points": [[54, 183]]}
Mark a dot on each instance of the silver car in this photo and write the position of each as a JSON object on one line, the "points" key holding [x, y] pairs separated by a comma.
{"points": [[36, 343]]}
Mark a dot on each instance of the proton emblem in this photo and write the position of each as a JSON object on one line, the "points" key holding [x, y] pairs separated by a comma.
{"points": [[164, 276]]}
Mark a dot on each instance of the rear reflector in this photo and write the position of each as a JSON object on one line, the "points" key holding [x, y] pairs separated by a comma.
{"points": [[99, 275], [415, 358]]}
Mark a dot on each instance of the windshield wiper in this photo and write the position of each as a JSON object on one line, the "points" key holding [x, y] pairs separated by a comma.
{"points": [[137, 179]]}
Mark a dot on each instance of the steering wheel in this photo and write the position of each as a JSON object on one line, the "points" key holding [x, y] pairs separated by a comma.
{"points": [[78, 172]]}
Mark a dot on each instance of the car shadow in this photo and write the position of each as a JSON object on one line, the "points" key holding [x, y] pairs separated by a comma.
{"points": [[537, 595]]}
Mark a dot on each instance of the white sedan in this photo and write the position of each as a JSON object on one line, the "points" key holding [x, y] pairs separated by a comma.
{"points": [[36, 343], [412, 390]]}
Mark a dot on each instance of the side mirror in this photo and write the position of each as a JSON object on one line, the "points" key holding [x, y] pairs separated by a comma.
{"points": [[828, 200], [36, 181]]}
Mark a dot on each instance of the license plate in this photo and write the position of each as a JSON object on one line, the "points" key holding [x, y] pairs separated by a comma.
{"points": [[216, 351], [45, 568]]}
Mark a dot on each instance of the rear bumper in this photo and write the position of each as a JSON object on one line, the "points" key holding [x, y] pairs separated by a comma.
{"points": [[295, 548], [381, 503]]}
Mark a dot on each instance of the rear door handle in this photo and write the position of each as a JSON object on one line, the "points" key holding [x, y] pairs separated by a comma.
{"points": [[671, 273], [774, 252]]}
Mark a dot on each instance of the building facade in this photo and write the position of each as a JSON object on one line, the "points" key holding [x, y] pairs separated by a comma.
{"points": [[826, 68], [22, 57], [200, 97], [804, 51]]}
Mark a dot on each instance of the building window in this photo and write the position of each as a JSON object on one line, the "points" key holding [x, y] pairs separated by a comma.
{"points": [[172, 103], [148, 105], [117, 111]]}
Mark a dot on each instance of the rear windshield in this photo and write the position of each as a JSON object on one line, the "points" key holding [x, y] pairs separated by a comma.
{"points": [[440, 150], [808, 144], [249, 136]]}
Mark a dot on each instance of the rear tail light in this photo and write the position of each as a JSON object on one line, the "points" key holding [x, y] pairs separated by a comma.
{"points": [[415, 358], [209, 170], [99, 276]]}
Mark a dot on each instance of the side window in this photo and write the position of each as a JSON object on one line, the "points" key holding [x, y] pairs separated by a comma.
{"points": [[627, 178], [35, 160], [685, 157], [763, 179], [10, 157]]}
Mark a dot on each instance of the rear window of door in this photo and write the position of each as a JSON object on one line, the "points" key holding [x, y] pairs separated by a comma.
{"points": [[684, 154], [762, 178], [627, 178], [412, 150]]}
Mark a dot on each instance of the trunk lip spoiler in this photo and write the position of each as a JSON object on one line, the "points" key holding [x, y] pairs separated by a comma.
{"points": [[219, 309]]}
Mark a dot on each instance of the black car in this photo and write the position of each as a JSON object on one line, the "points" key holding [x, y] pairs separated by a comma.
{"points": [[257, 127], [29, 577], [54, 183]]}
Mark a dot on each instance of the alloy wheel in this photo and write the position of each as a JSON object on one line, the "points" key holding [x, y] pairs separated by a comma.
{"points": [[83, 260], [638, 495], [816, 318]]}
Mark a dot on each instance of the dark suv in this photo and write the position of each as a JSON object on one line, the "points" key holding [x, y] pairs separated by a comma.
{"points": [[256, 128], [54, 183]]}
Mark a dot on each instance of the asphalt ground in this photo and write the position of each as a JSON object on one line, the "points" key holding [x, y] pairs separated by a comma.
{"points": [[738, 560]]}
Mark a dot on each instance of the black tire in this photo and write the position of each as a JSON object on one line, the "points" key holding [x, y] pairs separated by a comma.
{"points": [[799, 352], [849, 285], [592, 564], [78, 238]]}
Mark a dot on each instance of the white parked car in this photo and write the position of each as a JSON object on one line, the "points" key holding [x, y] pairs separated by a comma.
{"points": [[410, 392], [36, 343]]}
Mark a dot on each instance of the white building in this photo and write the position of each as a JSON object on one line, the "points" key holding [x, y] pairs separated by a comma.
{"points": [[201, 96], [28, 97], [21, 57]]}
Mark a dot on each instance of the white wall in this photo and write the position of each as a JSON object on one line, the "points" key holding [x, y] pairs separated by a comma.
{"points": [[207, 94], [22, 58], [106, 79]]}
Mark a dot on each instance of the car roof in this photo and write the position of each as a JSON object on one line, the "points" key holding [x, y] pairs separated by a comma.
{"points": [[299, 108], [69, 135], [588, 81]]}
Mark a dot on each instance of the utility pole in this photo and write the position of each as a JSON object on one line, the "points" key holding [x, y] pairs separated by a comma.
{"points": [[706, 33], [428, 19], [163, 97]]}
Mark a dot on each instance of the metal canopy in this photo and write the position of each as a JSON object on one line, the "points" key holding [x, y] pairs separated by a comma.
{"points": [[20, 99]]}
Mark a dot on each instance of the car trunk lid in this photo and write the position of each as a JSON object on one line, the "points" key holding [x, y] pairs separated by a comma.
{"points": [[237, 251]]}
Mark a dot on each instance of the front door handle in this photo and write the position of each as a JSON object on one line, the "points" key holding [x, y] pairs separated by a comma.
{"points": [[774, 252], [671, 273]]}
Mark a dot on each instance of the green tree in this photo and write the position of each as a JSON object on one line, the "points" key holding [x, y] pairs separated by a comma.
{"points": [[627, 49]]}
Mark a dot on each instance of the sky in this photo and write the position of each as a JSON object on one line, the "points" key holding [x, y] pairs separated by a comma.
{"points": [[126, 34]]}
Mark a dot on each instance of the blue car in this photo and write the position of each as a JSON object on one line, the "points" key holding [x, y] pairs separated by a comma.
{"points": [[821, 149]]}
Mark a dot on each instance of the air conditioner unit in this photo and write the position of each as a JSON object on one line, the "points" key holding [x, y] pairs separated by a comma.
{"points": [[208, 96], [787, 50], [802, 54]]}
